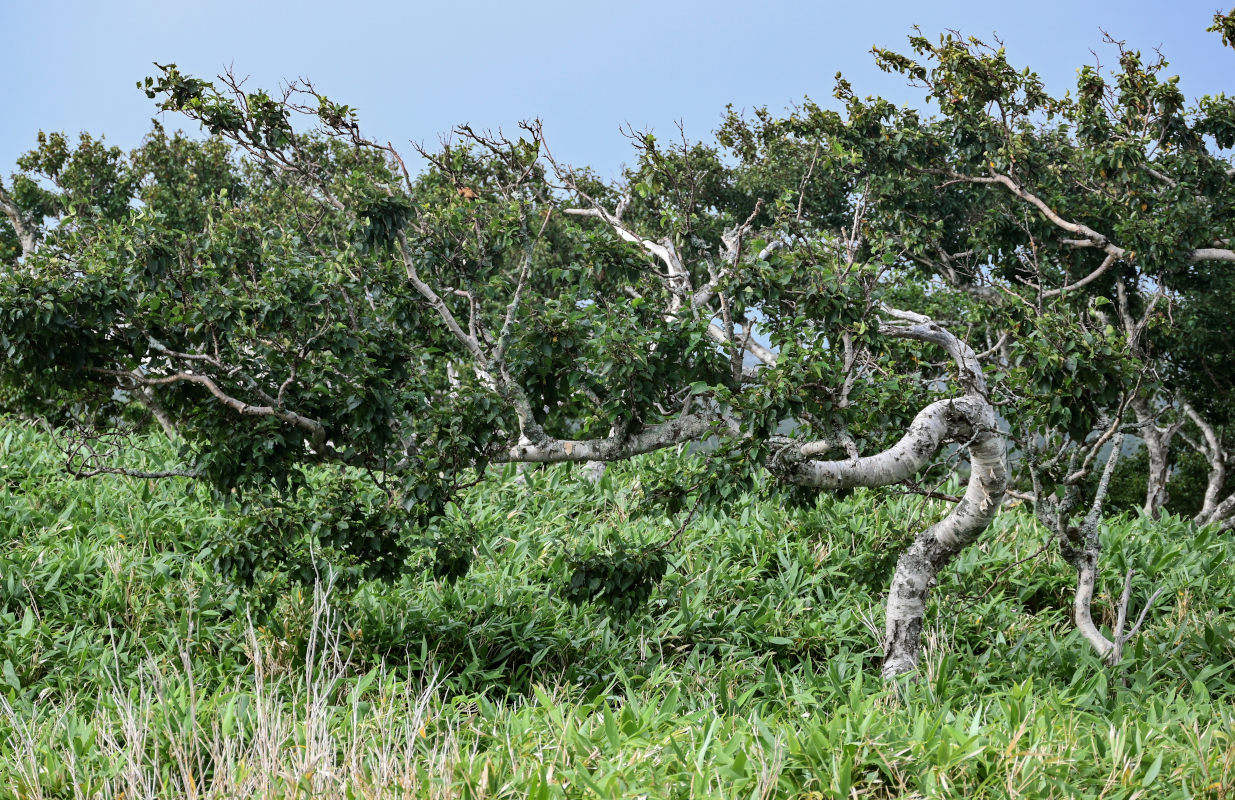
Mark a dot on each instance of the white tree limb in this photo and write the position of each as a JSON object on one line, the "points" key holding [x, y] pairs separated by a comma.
{"points": [[1089, 236], [472, 343], [678, 276], [315, 429], [970, 421], [1213, 452], [686, 428], [1085, 281], [24, 226], [910, 325]]}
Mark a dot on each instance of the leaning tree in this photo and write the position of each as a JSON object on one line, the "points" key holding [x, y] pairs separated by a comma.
{"points": [[863, 297]]}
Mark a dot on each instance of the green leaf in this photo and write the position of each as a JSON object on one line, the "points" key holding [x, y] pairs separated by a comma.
{"points": [[1151, 774]]}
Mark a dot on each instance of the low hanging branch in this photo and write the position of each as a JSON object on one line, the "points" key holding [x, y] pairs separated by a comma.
{"points": [[679, 430], [315, 430]]}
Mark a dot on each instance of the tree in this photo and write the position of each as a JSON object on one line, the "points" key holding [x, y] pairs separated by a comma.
{"points": [[316, 306]]}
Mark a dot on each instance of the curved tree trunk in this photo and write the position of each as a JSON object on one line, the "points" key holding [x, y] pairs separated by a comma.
{"points": [[934, 548], [1081, 547], [969, 421], [1214, 509]]}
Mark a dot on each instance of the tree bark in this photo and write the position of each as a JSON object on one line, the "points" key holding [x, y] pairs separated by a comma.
{"points": [[1158, 446], [1213, 508], [26, 228], [969, 421], [1081, 548], [147, 398], [936, 547]]}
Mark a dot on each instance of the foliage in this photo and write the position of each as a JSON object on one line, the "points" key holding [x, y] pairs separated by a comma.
{"points": [[622, 579], [340, 348], [128, 664]]}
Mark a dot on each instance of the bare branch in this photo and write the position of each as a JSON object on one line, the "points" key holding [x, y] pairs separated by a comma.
{"points": [[1141, 618], [1211, 254], [663, 251], [731, 242], [503, 339], [1085, 281], [748, 343], [131, 473], [472, 343], [1089, 236], [685, 428], [26, 227], [925, 329], [315, 429]]}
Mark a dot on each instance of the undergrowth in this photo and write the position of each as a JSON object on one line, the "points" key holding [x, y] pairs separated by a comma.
{"points": [[129, 666]]}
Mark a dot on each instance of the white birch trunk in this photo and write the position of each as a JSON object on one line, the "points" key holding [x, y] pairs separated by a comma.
{"points": [[969, 421]]}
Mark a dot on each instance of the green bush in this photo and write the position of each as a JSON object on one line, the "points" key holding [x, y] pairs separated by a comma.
{"points": [[129, 663]]}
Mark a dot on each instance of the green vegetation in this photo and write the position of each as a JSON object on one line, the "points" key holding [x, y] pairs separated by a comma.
{"points": [[129, 665], [855, 294]]}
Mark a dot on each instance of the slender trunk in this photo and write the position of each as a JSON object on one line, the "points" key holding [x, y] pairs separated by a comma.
{"points": [[1157, 440], [1086, 563], [1213, 491], [1159, 472], [1210, 447], [147, 398], [1158, 446], [1081, 547]]}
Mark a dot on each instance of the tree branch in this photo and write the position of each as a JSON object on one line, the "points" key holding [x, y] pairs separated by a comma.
{"points": [[686, 428], [472, 343], [925, 329], [315, 429], [1089, 236], [25, 227]]}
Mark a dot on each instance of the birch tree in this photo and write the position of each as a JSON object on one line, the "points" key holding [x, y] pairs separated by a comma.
{"points": [[906, 294]]}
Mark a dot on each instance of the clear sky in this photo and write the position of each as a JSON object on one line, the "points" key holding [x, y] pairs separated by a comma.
{"points": [[415, 69]]}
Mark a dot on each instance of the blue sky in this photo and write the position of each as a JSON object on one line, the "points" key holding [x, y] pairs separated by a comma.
{"points": [[416, 69]]}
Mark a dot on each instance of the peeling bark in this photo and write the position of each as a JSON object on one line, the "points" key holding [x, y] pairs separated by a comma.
{"points": [[970, 421], [686, 428], [934, 548]]}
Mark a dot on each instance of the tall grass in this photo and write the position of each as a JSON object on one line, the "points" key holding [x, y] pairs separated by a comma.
{"points": [[152, 735], [129, 668]]}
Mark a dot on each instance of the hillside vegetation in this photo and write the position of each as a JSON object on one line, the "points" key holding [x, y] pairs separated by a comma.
{"points": [[128, 664]]}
